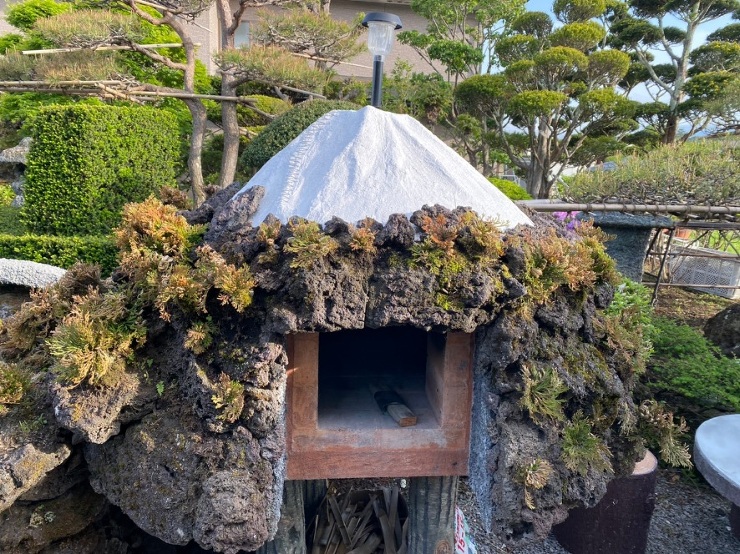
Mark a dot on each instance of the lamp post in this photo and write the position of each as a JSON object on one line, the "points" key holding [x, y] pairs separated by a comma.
{"points": [[380, 37]]}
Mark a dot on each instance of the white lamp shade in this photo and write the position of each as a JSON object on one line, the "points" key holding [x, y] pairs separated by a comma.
{"points": [[380, 37]]}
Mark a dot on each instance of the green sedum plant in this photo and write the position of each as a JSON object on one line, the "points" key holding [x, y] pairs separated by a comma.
{"points": [[582, 450], [97, 338], [13, 385], [228, 398], [542, 394], [86, 162], [308, 244]]}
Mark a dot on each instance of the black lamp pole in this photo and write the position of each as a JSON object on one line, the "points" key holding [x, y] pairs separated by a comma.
{"points": [[380, 40], [377, 96]]}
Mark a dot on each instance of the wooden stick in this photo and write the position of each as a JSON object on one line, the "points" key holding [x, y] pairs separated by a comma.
{"points": [[392, 404]]}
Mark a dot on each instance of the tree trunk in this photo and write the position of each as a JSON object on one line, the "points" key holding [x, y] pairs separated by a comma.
{"points": [[230, 124], [195, 168], [671, 129], [537, 180], [229, 119], [432, 515]]}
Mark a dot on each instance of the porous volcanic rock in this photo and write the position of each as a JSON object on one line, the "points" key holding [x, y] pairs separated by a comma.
{"points": [[25, 467], [163, 449], [177, 481], [724, 330]]}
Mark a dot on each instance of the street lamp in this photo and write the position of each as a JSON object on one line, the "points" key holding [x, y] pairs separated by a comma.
{"points": [[379, 41]]}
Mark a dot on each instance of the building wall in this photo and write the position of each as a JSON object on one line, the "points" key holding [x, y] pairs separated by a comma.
{"points": [[347, 10], [205, 31]]}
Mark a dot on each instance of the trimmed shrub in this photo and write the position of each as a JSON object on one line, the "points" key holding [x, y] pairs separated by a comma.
{"points": [[687, 364], [278, 134], [511, 190], [695, 172], [10, 222], [86, 162], [61, 251]]}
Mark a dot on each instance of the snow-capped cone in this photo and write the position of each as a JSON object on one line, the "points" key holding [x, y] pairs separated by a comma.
{"points": [[371, 163]]}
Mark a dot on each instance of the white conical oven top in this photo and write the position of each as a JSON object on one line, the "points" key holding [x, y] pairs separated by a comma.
{"points": [[371, 163]]}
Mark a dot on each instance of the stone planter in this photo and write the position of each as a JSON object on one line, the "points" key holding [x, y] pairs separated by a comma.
{"points": [[631, 238], [620, 522]]}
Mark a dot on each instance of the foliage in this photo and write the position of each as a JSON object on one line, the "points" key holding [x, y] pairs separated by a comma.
{"points": [[60, 251], [363, 238], [628, 326], [89, 28], [511, 190], [228, 396], [199, 337], [86, 162], [542, 393], [534, 476], [425, 97], [213, 150], [582, 450], [271, 65], [30, 325], [670, 29], [267, 104], [554, 261], [13, 385], [93, 343], [317, 35], [697, 172], [10, 222], [658, 427], [24, 15], [155, 227], [555, 91], [7, 195], [461, 35], [687, 364], [308, 243], [156, 246], [285, 128]]}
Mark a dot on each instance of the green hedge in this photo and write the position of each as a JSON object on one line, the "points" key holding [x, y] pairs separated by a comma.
{"points": [[61, 251], [86, 162], [687, 364], [285, 128], [511, 190]]}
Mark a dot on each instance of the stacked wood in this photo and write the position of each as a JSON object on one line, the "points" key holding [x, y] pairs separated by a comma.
{"points": [[361, 522]]}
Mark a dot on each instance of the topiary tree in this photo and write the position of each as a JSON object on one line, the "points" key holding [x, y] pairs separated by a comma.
{"points": [[556, 90], [671, 28], [285, 128]]}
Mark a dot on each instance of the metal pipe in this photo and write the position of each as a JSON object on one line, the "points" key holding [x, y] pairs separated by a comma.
{"points": [[550, 206]]}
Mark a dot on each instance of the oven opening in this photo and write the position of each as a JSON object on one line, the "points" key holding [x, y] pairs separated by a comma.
{"points": [[355, 365]]}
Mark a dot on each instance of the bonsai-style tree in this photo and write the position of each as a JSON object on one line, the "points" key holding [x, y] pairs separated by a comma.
{"points": [[556, 91], [461, 35], [313, 35], [671, 28]]}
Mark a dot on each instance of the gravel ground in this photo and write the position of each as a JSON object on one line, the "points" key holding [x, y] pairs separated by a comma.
{"points": [[689, 518]]}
